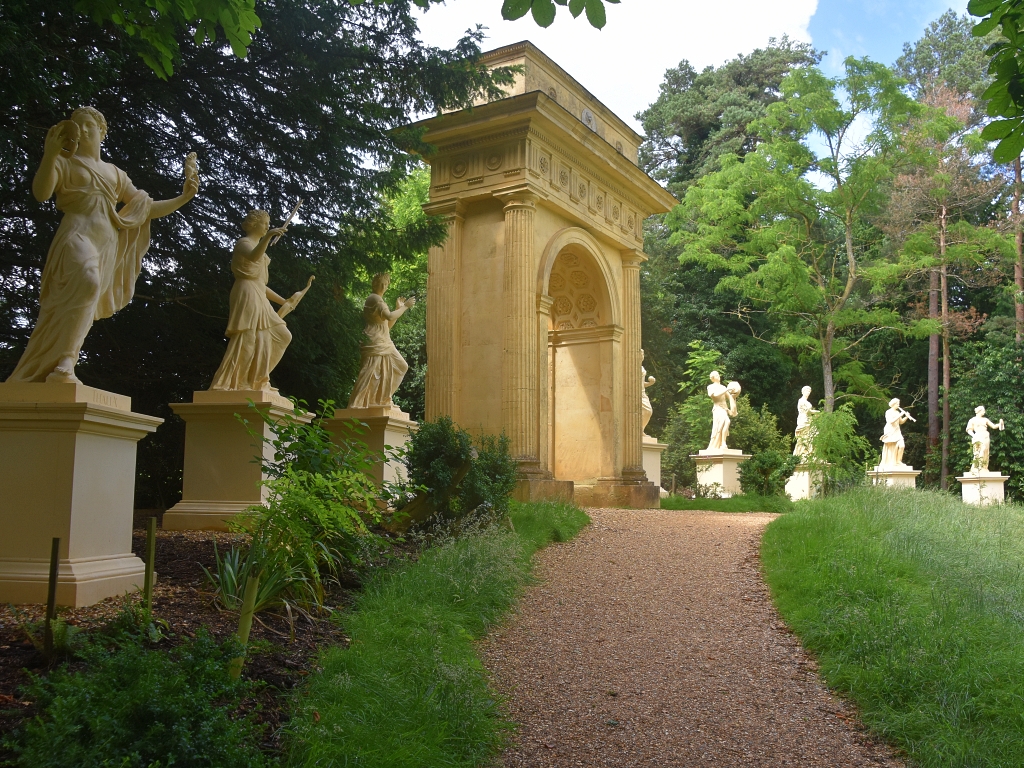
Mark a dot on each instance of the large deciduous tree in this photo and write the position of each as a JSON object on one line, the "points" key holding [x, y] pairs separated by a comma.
{"points": [[311, 112], [789, 225]]}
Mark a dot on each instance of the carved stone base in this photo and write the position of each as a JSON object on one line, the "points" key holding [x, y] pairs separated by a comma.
{"points": [[895, 477], [609, 493], [67, 470], [533, 489], [652, 451], [983, 489], [222, 477], [804, 483], [721, 469], [389, 427]]}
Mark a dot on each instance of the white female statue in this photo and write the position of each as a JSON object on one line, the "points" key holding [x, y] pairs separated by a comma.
{"points": [[977, 428], [723, 399], [646, 410], [804, 431], [382, 367], [257, 335], [96, 255], [892, 436]]}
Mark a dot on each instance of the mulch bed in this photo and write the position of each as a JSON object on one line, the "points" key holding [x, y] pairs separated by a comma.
{"points": [[183, 598]]}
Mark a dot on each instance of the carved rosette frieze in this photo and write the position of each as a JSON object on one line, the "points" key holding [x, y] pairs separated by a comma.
{"points": [[520, 361], [632, 447], [443, 316]]}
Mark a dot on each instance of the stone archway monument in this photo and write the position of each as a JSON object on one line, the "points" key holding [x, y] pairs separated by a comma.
{"points": [[533, 302]]}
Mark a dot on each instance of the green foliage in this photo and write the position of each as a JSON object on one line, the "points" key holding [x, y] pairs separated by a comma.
{"points": [[134, 707], [317, 116], [839, 453], [440, 452], [544, 10], [701, 116], [766, 473], [795, 249], [409, 690], [314, 521], [910, 602], [743, 503], [991, 375], [947, 54], [1006, 93]]}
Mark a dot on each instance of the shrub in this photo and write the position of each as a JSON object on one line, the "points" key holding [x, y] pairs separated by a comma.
{"points": [[839, 454], [439, 453], [134, 707], [766, 473]]}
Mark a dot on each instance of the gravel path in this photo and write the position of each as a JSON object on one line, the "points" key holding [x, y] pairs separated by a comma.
{"points": [[652, 641]]}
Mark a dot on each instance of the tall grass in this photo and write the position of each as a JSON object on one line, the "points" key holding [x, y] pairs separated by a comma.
{"points": [[914, 604], [410, 690]]}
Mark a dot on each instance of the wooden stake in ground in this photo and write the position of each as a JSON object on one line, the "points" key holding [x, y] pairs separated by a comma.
{"points": [[51, 599]]}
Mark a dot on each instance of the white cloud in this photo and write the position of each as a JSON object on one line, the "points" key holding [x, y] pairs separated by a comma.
{"points": [[623, 64]]}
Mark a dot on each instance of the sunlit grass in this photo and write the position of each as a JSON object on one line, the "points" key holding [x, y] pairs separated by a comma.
{"points": [[914, 604], [410, 690]]}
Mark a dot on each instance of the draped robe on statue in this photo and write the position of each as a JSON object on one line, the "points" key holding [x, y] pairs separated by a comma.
{"points": [[257, 337], [382, 367], [93, 263]]}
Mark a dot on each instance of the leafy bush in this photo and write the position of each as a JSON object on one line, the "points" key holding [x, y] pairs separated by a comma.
{"points": [[440, 452], [134, 707], [839, 454], [766, 473], [315, 519]]}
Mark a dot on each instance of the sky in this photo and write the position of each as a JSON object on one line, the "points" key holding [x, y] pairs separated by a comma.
{"points": [[624, 64]]}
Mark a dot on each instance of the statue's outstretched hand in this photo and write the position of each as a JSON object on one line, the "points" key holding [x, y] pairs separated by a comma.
{"points": [[191, 185], [404, 303], [57, 137]]}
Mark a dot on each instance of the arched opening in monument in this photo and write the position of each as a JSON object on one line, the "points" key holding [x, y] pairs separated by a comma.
{"points": [[582, 347]]}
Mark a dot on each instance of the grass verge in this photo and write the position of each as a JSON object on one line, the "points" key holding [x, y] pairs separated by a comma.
{"points": [[410, 690], [741, 503], [914, 605]]}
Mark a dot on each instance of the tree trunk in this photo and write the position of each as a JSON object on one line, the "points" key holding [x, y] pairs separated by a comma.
{"points": [[1018, 263], [826, 368], [944, 469], [933, 363]]}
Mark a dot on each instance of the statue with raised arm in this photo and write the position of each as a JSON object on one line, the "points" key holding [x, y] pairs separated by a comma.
{"points": [[257, 335], [892, 436], [723, 400], [382, 368], [804, 430], [96, 255], [977, 428], [646, 410]]}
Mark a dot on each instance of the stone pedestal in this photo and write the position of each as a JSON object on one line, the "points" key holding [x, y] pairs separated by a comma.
{"points": [[652, 451], [904, 476], [984, 488], [804, 483], [720, 468], [222, 476], [544, 489], [388, 427], [67, 470]]}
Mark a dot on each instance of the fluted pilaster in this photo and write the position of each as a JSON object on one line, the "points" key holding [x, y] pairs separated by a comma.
{"points": [[632, 447], [520, 362], [444, 316]]}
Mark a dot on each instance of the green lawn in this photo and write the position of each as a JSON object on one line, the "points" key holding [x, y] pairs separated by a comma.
{"points": [[914, 604], [410, 690], [742, 503]]}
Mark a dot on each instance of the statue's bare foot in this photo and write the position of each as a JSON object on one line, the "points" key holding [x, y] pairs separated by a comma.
{"points": [[63, 375]]}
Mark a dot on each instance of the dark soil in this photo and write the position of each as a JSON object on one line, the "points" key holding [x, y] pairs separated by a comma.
{"points": [[183, 599]]}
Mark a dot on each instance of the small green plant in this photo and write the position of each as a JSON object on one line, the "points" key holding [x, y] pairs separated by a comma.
{"points": [[766, 473], [135, 707], [66, 637], [838, 453]]}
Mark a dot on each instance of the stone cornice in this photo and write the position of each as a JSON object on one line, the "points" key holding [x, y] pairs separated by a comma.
{"points": [[585, 335]]}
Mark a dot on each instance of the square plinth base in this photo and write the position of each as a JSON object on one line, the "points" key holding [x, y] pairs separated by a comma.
{"points": [[720, 470], [618, 495], [541, 489], [222, 475], [652, 451], [984, 489], [382, 428], [895, 478], [67, 470], [804, 483]]}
